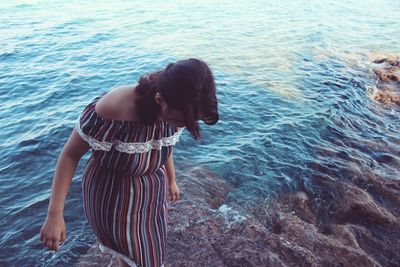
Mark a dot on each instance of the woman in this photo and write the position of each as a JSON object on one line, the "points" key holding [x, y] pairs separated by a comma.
{"points": [[132, 131]]}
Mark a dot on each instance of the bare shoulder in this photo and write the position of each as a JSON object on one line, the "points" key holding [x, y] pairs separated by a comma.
{"points": [[117, 104]]}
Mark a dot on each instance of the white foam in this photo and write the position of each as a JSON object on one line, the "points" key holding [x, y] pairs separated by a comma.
{"points": [[230, 215], [181, 226]]}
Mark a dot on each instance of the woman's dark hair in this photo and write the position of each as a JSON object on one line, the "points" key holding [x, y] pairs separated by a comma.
{"points": [[187, 86]]}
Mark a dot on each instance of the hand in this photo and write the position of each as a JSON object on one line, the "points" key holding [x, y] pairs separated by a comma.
{"points": [[53, 232], [174, 192]]}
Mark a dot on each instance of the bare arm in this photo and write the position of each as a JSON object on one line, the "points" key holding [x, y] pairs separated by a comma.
{"points": [[69, 158], [53, 230], [173, 187], [169, 165]]}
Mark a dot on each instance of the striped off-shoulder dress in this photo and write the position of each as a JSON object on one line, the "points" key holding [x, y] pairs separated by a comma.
{"points": [[124, 185]]}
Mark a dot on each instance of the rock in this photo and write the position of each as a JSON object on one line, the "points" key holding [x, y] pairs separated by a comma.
{"points": [[302, 207], [387, 72], [356, 206], [387, 97]]}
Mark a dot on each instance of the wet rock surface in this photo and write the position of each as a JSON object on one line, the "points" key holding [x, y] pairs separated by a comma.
{"points": [[387, 71], [286, 232]]}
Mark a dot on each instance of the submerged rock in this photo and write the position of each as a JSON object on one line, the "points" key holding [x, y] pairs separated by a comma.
{"points": [[387, 97], [387, 71]]}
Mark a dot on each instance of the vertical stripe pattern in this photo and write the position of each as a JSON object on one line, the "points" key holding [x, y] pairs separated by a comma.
{"points": [[125, 194]]}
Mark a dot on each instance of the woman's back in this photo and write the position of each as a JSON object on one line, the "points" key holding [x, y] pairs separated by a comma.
{"points": [[118, 104]]}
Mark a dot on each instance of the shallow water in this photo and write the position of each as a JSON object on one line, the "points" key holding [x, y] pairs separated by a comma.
{"points": [[292, 82]]}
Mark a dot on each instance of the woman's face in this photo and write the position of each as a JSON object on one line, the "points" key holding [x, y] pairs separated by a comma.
{"points": [[169, 114]]}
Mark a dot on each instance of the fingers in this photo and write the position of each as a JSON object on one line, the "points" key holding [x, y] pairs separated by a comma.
{"points": [[174, 197], [41, 236], [174, 192], [63, 237], [52, 244]]}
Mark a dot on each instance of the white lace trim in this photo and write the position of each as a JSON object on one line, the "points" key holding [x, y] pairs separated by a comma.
{"points": [[142, 147], [130, 148]]}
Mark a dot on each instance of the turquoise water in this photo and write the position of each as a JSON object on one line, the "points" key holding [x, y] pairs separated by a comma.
{"points": [[292, 82]]}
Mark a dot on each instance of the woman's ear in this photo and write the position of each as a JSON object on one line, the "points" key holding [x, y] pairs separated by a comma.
{"points": [[158, 98]]}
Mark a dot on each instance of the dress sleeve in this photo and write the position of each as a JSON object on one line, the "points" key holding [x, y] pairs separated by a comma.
{"points": [[97, 131]]}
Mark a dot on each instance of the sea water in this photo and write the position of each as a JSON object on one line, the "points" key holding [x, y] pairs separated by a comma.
{"points": [[292, 80]]}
